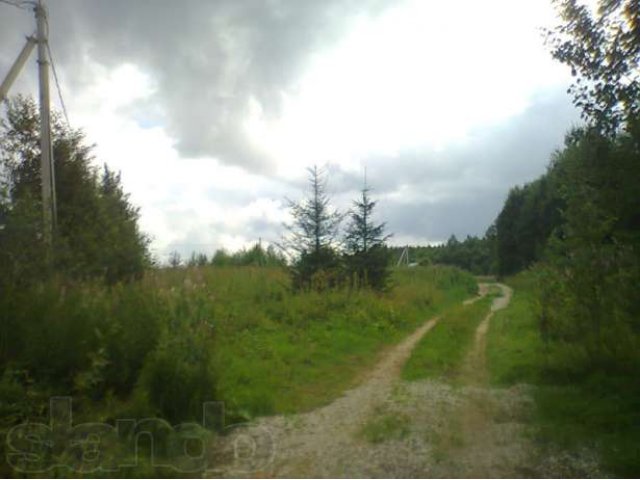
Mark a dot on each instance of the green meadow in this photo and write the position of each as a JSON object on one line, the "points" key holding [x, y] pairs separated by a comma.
{"points": [[162, 346]]}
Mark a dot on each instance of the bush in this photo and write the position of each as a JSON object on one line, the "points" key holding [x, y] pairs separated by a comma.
{"points": [[86, 339], [369, 268], [319, 270], [178, 377], [134, 326]]}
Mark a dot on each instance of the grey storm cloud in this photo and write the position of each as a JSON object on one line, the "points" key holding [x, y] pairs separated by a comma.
{"points": [[430, 195], [501, 155], [209, 58], [427, 196]]}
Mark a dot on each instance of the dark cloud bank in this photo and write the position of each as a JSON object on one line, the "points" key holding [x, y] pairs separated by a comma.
{"points": [[209, 58], [430, 195]]}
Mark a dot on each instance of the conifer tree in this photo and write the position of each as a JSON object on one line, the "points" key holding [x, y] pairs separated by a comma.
{"points": [[367, 258], [311, 240], [96, 234]]}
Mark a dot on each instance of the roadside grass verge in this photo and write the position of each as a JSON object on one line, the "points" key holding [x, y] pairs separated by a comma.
{"points": [[441, 352], [599, 412]]}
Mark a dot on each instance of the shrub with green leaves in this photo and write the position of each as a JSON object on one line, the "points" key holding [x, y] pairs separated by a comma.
{"points": [[179, 376]]}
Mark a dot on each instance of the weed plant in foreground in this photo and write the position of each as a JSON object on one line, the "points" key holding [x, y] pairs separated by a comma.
{"points": [[385, 426]]}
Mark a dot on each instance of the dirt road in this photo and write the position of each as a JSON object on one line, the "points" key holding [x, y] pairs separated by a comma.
{"points": [[389, 428]]}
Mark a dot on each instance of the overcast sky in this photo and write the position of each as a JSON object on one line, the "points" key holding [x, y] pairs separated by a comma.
{"points": [[213, 109]]}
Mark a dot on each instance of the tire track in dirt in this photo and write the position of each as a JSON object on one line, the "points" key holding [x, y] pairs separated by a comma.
{"points": [[488, 434], [474, 368], [306, 445], [442, 430], [321, 443], [482, 447]]}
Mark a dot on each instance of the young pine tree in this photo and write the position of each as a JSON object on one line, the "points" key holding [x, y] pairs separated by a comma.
{"points": [[367, 257], [312, 237]]}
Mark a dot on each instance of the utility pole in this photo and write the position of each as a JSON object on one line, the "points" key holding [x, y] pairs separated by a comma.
{"points": [[46, 164], [46, 156], [404, 257]]}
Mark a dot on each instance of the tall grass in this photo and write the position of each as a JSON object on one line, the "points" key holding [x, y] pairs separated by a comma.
{"points": [[161, 346]]}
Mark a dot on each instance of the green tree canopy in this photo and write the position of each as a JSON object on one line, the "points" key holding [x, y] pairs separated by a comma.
{"points": [[97, 232], [603, 51]]}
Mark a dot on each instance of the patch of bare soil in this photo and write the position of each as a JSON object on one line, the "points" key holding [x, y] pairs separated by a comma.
{"points": [[389, 428]]}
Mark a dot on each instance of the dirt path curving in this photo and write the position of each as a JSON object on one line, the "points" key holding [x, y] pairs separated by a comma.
{"points": [[483, 289], [314, 444], [489, 440], [426, 429], [474, 368], [486, 432]]}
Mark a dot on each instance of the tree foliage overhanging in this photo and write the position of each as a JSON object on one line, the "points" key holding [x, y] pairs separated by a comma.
{"points": [[603, 52]]}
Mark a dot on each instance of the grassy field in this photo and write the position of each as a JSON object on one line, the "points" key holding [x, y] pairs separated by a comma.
{"points": [[303, 350], [598, 411], [440, 353], [162, 346]]}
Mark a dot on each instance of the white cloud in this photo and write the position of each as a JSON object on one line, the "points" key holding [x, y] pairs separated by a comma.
{"points": [[429, 94], [421, 76], [181, 200]]}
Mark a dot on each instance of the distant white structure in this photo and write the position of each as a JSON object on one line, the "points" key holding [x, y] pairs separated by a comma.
{"points": [[404, 259]]}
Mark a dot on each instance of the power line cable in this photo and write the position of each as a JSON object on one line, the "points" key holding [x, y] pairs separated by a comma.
{"points": [[21, 5], [54, 70], [55, 77]]}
